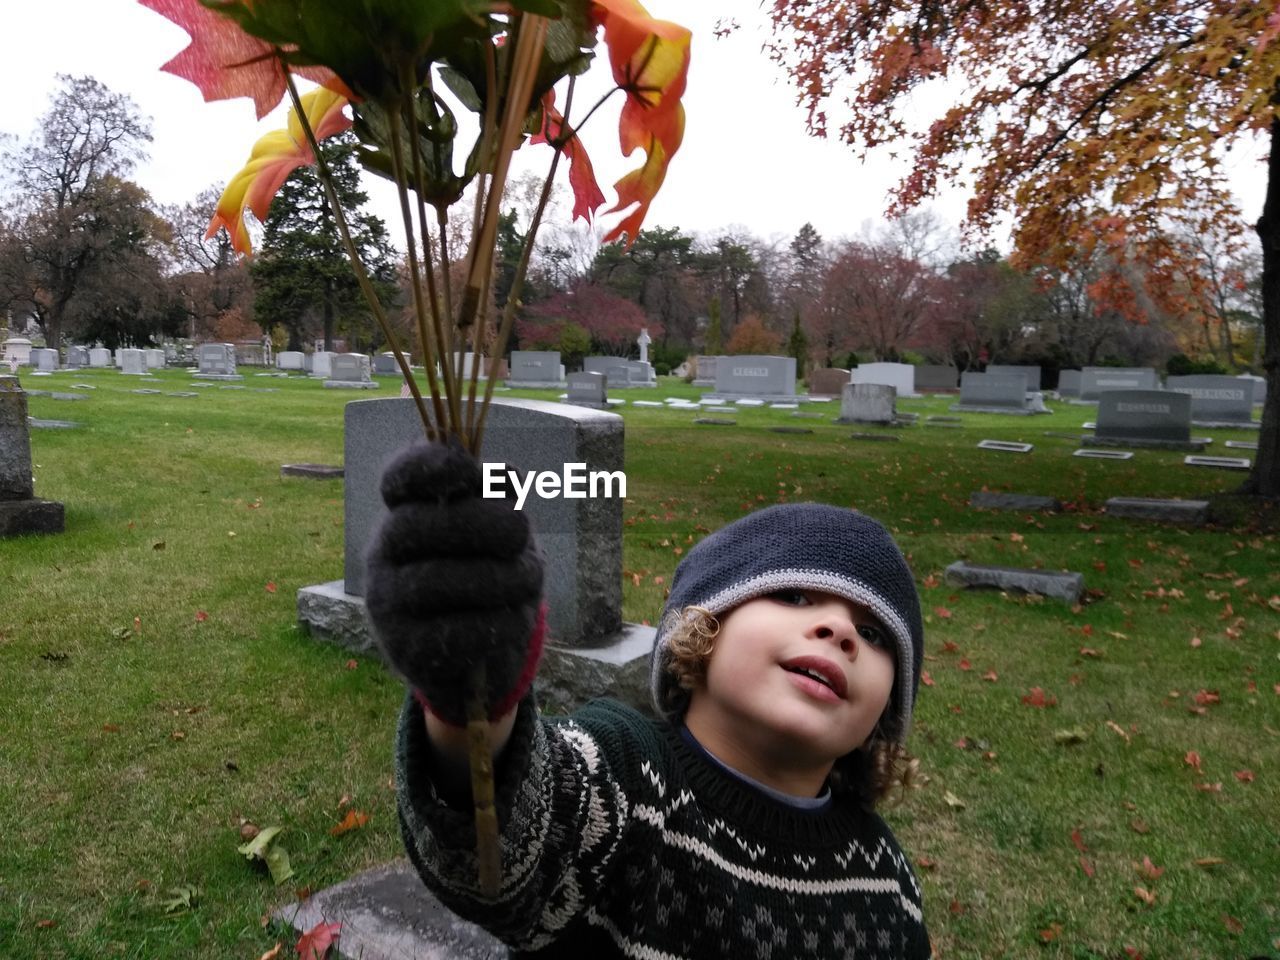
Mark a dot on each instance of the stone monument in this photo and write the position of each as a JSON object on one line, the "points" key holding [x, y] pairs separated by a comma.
{"points": [[21, 512], [350, 371]]}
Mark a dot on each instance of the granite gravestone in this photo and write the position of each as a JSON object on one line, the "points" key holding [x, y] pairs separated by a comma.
{"points": [[132, 362], [322, 364], [937, 376], [581, 538], [21, 512], [1030, 372], [1259, 385], [868, 403], [99, 357], [1144, 418], [900, 376], [154, 359], [615, 370], [993, 393], [828, 382], [384, 364], [587, 389], [350, 371], [536, 368], [1095, 380], [756, 376], [17, 348], [289, 360], [1216, 399], [216, 361], [1069, 382], [704, 370], [44, 359], [77, 357], [641, 374]]}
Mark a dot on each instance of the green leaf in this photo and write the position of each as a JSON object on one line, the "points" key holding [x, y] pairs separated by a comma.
{"points": [[180, 898], [277, 858], [258, 845], [1072, 736]]}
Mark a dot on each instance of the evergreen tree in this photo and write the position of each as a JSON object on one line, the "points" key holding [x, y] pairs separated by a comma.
{"points": [[302, 278], [715, 335], [797, 345]]}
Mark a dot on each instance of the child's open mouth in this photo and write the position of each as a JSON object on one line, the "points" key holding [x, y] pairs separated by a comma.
{"points": [[818, 671]]}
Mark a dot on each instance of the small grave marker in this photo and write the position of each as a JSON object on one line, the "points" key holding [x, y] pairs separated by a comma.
{"points": [[312, 471], [1222, 463], [1154, 508], [1241, 445], [1103, 454], [893, 437], [1020, 502], [1059, 585], [1005, 446], [716, 421]]}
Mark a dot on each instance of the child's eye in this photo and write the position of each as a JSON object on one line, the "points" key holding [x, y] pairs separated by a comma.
{"points": [[873, 634], [792, 598]]}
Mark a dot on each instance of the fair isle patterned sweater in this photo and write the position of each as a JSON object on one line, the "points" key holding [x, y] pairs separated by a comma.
{"points": [[621, 840]]}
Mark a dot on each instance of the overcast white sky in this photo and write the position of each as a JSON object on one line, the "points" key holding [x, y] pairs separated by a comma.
{"points": [[746, 159]]}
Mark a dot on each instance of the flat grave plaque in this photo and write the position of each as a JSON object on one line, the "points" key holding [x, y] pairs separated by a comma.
{"points": [[1222, 463], [1103, 454], [1005, 446]]}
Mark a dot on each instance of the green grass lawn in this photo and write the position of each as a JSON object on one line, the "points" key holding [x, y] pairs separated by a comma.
{"points": [[155, 691]]}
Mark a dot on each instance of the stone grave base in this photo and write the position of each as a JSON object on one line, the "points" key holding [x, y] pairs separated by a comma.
{"points": [[1194, 445], [1021, 502], [1055, 584], [540, 384], [19, 517], [351, 385], [35, 423], [312, 471], [1150, 508], [567, 677], [771, 398], [1228, 424], [218, 376], [1009, 411], [387, 914]]}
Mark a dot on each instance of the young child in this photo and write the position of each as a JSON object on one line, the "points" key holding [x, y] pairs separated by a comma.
{"points": [[740, 822]]}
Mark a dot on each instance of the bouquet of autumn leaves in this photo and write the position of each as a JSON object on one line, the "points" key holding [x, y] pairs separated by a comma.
{"points": [[397, 72]]}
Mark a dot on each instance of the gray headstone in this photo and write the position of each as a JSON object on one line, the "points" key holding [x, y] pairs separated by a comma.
{"points": [[900, 376], [587, 390], [581, 539], [218, 359], [21, 512], [1152, 415], [642, 373], [1069, 383], [615, 370], [1020, 502], [384, 364], [99, 357], [996, 391], [1029, 372], [42, 358], [868, 403], [154, 359], [1259, 385], [756, 376], [350, 367], [537, 368], [133, 362], [289, 360], [1057, 585], [1216, 399], [705, 367], [1152, 508], [937, 376], [321, 364], [828, 381], [77, 357], [1094, 381]]}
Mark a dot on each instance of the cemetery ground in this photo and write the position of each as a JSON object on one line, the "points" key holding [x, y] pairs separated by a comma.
{"points": [[1098, 781]]}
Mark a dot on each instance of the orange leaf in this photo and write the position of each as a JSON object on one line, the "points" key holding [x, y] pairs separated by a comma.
{"points": [[271, 586], [1086, 866], [1148, 870], [991, 676], [926, 678], [1037, 698], [659, 580], [930, 582], [1145, 895], [201, 616], [46, 924], [273, 953], [1192, 760], [1050, 933], [1132, 953], [942, 612], [950, 646], [315, 943], [924, 863], [1207, 697], [351, 664], [1244, 776], [111, 728], [965, 665], [352, 821]]}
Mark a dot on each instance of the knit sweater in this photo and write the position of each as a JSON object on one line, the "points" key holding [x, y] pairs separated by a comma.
{"points": [[620, 840]]}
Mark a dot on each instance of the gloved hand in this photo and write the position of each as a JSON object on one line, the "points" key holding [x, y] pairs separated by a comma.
{"points": [[453, 580]]}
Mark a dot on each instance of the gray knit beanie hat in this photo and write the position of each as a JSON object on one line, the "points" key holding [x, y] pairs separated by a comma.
{"points": [[804, 546]]}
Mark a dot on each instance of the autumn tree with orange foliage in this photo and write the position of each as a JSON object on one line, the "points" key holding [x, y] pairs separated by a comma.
{"points": [[1091, 125]]}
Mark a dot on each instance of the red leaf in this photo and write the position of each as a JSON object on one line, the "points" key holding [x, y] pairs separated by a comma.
{"points": [[1192, 760], [930, 582], [1078, 841], [1100, 566], [201, 616], [924, 863], [352, 821], [315, 943], [1037, 698], [1232, 924], [1244, 776], [1050, 933], [950, 646], [351, 664], [942, 612], [991, 676], [1207, 697], [1087, 867], [271, 586], [965, 665], [46, 924], [1132, 953], [926, 678]]}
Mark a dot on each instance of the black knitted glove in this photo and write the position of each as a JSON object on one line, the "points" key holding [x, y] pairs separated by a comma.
{"points": [[454, 580]]}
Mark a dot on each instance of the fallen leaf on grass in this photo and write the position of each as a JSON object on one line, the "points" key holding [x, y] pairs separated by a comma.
{"points": [[1148, 870], [1112, 725], [46, 924], [352, 821], [942, 612], [964, 665], [1050, 933], [926, 678], [1139, 826], [1078, 841], [991, 676], [180, 898], [951, 800], [111, 728], [1038, 698], [1092, 653], [315, 943], [1145, 895], [1072, 736], [1192, 760], [201, 616], [1207, 863], [1244, 776], [925, 863], [1207, 698], [1087, 867], [1232, 924], [272, 854], [271, 586], [273, 953], [1210, 787]]}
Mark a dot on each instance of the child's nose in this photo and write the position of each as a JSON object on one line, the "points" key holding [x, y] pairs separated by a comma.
{"points": [[836, 626]]}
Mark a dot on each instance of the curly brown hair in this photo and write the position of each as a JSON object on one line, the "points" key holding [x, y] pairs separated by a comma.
{"points": [[880, 771]]}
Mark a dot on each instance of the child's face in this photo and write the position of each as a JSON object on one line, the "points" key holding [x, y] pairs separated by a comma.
{"points": [[760, 694]]}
